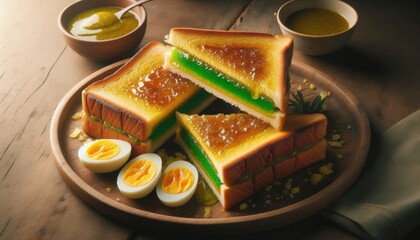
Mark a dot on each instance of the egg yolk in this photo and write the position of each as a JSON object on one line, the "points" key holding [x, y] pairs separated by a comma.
{"points": [[177, 180], [139, 173], [102, 150]]}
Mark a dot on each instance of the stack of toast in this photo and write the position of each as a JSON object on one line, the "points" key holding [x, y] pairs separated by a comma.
{"points": [[237, 154]]}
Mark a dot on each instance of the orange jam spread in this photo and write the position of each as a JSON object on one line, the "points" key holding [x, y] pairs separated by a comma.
{"points": [[177, 180], [139, 173], [159, 88], [227, 131], [102, 150], [248, 61]]}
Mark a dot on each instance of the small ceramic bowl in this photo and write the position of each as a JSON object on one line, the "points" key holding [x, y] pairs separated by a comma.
{"points": [[312, 44], [103, 50]]}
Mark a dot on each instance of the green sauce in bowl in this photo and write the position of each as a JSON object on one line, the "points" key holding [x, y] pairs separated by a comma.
{"points": [[317, 21], [102, 24]]}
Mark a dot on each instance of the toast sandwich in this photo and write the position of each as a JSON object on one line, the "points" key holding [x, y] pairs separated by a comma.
{"points": [[248, 70], [238, 154], [138, 102]]}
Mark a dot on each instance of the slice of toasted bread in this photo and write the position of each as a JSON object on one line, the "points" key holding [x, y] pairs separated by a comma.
{"points": [[255, 61], [138, 102], [238, 153]]}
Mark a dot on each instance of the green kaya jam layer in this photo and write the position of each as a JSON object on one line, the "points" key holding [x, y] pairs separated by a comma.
{"points": [[208, 167], [188, 107], [201, 157], [221, 82]]}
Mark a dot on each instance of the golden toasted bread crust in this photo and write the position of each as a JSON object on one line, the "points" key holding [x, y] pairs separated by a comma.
{"points": [[127, 66], [237, 193], [96, 129], [122, 118], [266, 152], [116, 117], [301, 144]]}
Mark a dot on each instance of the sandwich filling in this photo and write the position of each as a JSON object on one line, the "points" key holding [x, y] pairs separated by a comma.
{"points": [[222, 82], [163, 127]]}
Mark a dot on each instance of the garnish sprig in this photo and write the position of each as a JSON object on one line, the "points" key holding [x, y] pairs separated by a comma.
{"points": [[300, 105]]}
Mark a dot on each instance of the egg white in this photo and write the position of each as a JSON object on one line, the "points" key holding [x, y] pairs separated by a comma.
{"points": [[145, 189], [177, 199], [105, 165]]}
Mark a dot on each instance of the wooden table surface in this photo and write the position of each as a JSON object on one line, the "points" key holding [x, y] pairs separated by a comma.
{"points": [[379, 66]]}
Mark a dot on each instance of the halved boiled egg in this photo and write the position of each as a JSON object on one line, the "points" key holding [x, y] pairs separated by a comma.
{"points": [[140, 176], [177, 184], [104, 155]]}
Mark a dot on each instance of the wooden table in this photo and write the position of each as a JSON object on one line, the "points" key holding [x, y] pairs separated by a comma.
{"points": [[379, 65]]}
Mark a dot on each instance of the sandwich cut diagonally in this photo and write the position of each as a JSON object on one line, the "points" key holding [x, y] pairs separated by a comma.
{"points": [[248, 70], [238, 154], [138, 102]]}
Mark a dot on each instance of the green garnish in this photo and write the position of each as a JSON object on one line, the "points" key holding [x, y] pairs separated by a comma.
{"points": [[300, 105]]}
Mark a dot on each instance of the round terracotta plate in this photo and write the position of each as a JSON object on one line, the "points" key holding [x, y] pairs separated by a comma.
{"points": [[275, 206]]}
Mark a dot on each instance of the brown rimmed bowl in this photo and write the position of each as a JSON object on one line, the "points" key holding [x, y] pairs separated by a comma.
{"points": [[312, 44], [102, 50]]}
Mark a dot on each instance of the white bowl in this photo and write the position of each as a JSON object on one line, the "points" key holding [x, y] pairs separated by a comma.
{"points": [[312, 44]]}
